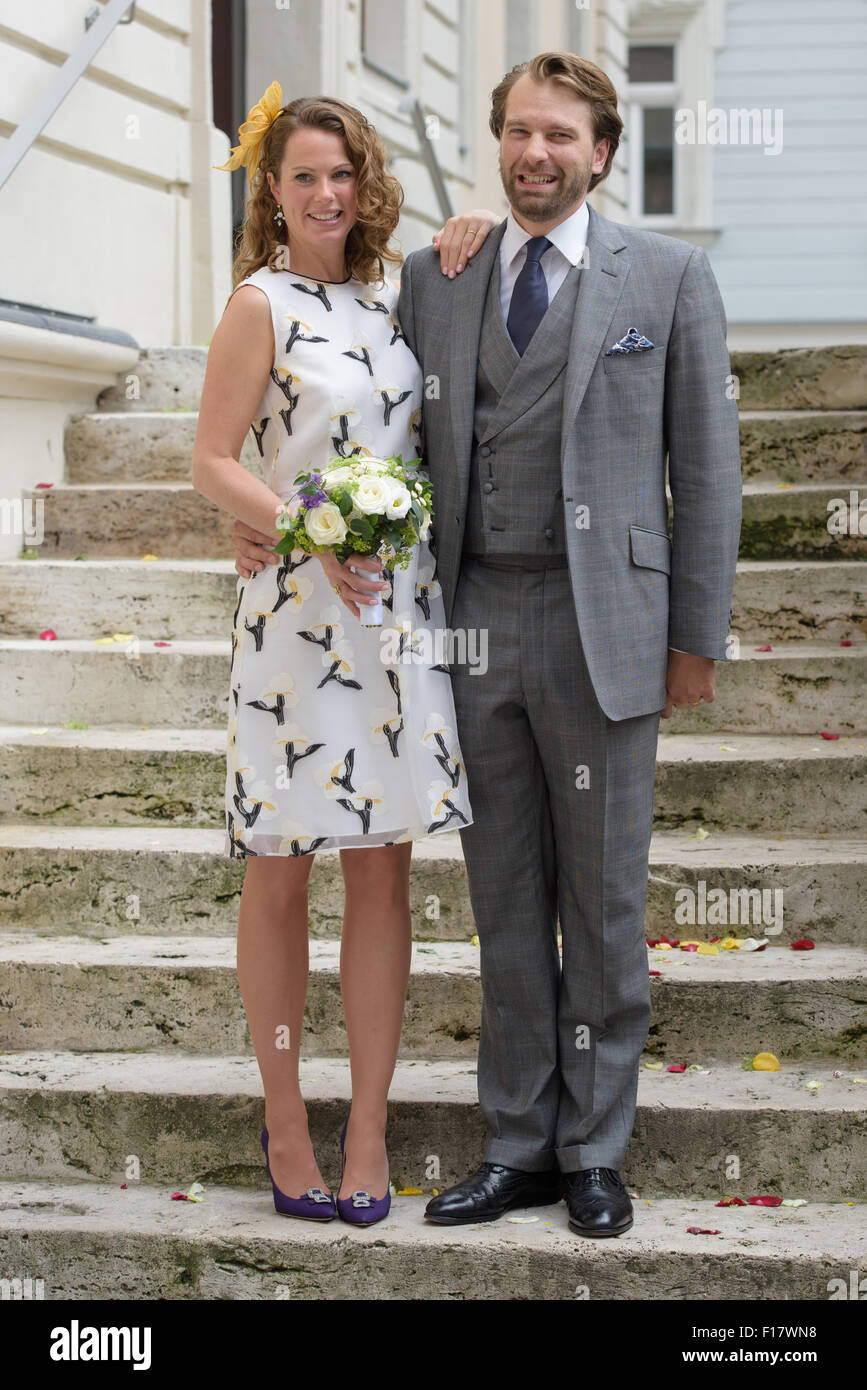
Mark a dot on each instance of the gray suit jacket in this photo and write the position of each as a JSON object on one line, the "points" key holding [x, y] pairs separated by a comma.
{"points": [[636, 591]]}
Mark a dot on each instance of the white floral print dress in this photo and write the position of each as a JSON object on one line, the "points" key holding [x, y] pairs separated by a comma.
{"points": [[332, 744]]}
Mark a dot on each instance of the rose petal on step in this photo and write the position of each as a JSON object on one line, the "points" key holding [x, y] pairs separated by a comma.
{"points": [[701, 1231], [805, 944], [162, 644], [701, 833], [654, 1066], [768, 648], [731, 1202], [522, 1220], [410, 1192], [702, 1071], [689, 945], [179, 1197], [150, 557], [823, 733], [103, 641], [44, 485], [728, 748], [813, 1085], [654, 972], [123, 636], [765, 1201], [677, 1066], [752, 944], [836, 1073], [794, 1202], [48, 635], [765, 1061], [845, 644], [705, 948]]}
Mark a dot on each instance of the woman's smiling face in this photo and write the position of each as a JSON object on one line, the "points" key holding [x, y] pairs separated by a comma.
{"points": [[317, 189]]}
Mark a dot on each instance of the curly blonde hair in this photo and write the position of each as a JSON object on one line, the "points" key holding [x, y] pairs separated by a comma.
{"points": [[379, 195]]}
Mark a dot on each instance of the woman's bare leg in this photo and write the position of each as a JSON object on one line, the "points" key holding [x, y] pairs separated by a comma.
{"points": [[273, 959], [375, 954]]}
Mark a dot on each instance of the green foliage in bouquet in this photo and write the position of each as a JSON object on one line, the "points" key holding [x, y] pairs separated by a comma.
{"points": [[360, 505]]}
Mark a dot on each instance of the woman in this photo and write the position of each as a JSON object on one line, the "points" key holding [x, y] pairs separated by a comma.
{"points": [[330, 746]]}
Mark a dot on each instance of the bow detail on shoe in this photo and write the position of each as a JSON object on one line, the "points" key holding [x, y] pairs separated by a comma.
{"points": [[317, 1195]]}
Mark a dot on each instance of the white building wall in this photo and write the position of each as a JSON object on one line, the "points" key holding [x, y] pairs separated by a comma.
{"points": [[791, 255]]}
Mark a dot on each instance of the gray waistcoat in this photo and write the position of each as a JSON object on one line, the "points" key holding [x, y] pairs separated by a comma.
{"points": [[515, 501]]}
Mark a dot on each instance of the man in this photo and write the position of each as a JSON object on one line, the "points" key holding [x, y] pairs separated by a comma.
{"points": [[568, 360]]}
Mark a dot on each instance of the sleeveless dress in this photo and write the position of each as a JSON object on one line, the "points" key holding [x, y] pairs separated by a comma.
{"points": [[338, 738]]}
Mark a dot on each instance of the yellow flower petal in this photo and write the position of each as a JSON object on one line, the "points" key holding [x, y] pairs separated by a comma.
{"points": [[150, 557], [654, 1066], [706, 949], [410, 1192], [765, 1061], [701, 833]]}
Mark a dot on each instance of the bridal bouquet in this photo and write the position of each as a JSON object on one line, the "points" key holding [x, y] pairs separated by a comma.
{"points": [[361, 505]]}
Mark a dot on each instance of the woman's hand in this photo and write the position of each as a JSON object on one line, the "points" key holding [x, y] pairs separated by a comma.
{"points": [[355, 589], [461, 238]]}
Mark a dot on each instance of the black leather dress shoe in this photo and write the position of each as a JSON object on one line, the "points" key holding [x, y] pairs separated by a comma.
{"points": [[492, 1191], [598, 1202]]}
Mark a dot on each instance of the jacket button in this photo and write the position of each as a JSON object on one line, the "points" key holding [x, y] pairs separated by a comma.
{"points": [[488, 487], [485, 450], [549, 534]]}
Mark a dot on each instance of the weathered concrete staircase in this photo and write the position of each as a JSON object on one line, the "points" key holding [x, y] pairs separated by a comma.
{"points": [[127, 1058]]}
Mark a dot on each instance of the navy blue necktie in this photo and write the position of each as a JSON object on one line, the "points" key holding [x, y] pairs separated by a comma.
{"points": [[529, 297]]}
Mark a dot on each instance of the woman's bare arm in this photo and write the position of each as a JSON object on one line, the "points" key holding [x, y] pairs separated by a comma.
{"points": [[239, 360]]}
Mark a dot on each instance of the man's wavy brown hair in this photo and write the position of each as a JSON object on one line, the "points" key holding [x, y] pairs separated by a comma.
{"points": [[580, 76], [379, 195]]}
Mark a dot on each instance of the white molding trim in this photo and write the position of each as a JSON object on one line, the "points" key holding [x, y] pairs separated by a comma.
{"points": [[40, 364]]}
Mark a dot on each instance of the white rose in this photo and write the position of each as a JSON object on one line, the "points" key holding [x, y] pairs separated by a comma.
{"points": [[398, 501], [370, 494], [336, 477], [325, 525]]}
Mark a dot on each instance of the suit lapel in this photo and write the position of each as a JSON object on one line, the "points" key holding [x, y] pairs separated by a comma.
{"points": [[603, 279]]}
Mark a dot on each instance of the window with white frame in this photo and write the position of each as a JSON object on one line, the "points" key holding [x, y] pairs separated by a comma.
{"points": [[384, 39], [652, 99]]}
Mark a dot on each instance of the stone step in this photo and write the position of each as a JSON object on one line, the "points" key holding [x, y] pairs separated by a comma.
{"points": [[164, 378], [176, 599], [799, 446], [797, 687], [159, 881], [188, 1118], [792, 520], [125, 776], [822, 378], [99, 1243], [791, 600], [150, 993], [172, 519], [157, 446]]}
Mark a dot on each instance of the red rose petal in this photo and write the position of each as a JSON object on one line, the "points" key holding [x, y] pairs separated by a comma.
{"points": [[845, 644], [765, 1201], [805, 944], [768, 648], [701, 1231], [651, 943], [731, 1202], [45, 485], [48, 635], [689, 947], [677, 1066], [179, 1197], [162, 644], [654, 972], [823, 733]]}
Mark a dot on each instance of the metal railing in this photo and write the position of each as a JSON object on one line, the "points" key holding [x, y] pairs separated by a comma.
{"points": [[99, 24]]}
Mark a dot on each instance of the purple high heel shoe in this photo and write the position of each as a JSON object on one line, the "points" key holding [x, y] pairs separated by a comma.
{"points": [[314, 1205], [359, 1208]]}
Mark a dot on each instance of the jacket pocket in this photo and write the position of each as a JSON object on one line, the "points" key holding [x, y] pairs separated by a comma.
{"points": [[650, 548]]}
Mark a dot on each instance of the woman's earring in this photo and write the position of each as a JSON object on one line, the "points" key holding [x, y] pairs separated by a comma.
{"points": [[278, 215]]}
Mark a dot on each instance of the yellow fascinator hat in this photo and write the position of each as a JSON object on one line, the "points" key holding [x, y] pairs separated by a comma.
{"points": [[252, 132]]}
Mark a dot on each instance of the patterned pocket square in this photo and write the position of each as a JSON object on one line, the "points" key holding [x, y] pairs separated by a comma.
{"points": [[633, 341]]}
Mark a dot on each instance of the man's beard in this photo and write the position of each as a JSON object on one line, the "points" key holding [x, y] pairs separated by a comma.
{"points": [[568, 193]]}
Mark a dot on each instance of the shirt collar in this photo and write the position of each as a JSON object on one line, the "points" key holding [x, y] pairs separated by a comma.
{"points": [[569, 236]]}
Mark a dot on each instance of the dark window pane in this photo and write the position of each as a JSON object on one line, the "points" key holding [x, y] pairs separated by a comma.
{"points": [[659, 159], [651, 62]]}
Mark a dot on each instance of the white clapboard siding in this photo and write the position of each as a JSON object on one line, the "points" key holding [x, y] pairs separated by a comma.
{"points": [[791, 249]]}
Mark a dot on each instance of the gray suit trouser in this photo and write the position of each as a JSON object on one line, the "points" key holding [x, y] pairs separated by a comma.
{"points": [[562, 802]]}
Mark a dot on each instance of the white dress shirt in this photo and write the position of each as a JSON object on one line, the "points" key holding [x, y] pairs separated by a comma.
{"points": [[568, 240]]}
